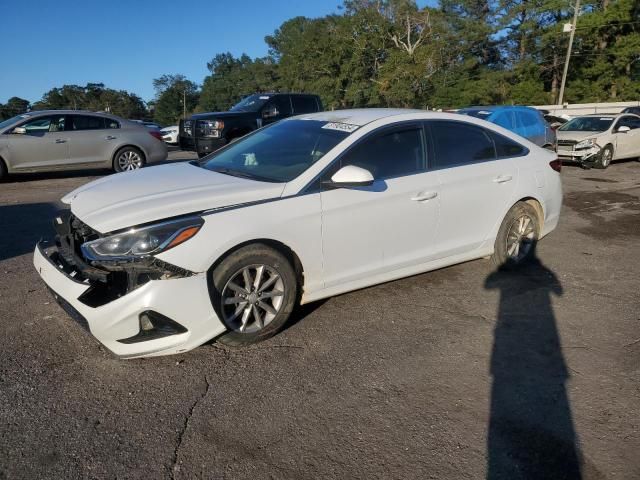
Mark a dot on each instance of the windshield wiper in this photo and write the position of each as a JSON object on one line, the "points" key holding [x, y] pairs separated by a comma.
{"points": [[239, 174]]}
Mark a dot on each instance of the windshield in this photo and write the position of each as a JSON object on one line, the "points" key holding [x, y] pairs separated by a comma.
{"points": [[12, 120], [587, 124], [279, 152], [252, 103]]}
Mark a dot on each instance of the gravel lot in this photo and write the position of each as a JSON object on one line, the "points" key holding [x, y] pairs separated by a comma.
{"points": [[460, 373]]}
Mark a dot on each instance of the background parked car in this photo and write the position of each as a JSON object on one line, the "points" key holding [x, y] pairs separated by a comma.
{"points": [[597, 140], [72, 139], [525, 121], [555, 121], [634, 110], [170, 134], [151, 125], [206, 132]]}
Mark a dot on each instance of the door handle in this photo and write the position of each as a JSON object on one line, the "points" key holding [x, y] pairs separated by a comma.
{"points": [[503, 179], [424, 196], [110, 137], [60, 140]]}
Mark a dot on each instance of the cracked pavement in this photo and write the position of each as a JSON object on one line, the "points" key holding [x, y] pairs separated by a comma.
{"points": [[459, 373]]}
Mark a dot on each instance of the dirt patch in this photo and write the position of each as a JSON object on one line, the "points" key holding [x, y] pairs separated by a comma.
{"points": [[611, 214]]}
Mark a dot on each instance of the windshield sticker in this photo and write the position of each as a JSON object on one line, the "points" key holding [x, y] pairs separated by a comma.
{"points": [[606, 118], [343, 127], [265, 97]]}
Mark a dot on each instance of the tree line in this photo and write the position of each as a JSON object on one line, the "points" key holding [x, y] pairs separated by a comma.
{"points": [[93, 97], [392, 53]]}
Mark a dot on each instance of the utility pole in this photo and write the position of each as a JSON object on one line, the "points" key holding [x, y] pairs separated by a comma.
{"points": [[184, 104], [566, 61]]}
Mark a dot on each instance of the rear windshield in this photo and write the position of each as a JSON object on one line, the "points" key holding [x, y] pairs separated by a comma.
{"points": [[587, 124], [279, 152]]}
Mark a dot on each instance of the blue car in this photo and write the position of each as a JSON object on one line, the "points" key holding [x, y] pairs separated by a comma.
{"points": [[525, 121]]}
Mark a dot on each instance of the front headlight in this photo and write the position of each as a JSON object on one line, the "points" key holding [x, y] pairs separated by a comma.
{"points": [[142, 242], [212, 128], [588, 143]]}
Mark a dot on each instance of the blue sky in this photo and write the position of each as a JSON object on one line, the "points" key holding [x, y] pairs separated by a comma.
{"points": [[126, 44]]}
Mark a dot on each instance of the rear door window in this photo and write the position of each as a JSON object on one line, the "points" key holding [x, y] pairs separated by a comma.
{"points": [[507, 148], [111, 123], [304, 104], [458, 143], [86, 122]]}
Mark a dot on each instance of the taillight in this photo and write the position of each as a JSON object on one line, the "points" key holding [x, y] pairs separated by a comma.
{"points": [[156, 134], [556, 164]]}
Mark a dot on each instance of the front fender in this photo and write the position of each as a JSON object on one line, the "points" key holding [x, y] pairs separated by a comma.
{"points": [[293, 221]]}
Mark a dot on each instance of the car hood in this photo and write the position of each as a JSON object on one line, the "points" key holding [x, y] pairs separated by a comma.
{"points": [[575, 135], [155, 193]]}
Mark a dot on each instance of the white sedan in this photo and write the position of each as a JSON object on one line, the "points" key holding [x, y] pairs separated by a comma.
{"points": [[161, 260], [170, 134]]}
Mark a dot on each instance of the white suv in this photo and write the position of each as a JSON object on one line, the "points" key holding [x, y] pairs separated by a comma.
{"points": [[596, 140]]}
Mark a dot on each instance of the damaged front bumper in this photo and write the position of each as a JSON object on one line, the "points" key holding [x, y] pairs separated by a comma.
{"points": [[135, 309], [584, 156]]}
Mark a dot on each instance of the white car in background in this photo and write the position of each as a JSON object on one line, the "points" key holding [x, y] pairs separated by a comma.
{"points": [[596, 140], [162, 260], [170, 134]]}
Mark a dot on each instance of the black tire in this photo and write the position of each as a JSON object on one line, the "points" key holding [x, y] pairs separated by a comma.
{"points": [[117, 167], [249, 257], [3, 171], [502, 256], [604, 160]]}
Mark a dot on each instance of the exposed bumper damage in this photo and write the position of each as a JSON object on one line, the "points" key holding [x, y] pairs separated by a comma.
{"points": [[585, 156], [135, 308]]}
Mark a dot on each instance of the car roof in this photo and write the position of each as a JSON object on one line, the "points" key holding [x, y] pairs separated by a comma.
{"points": [[358, 116], [494, 108], [612, 115], [34, 113]]}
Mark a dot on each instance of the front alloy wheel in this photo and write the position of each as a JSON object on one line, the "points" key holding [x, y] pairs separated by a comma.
{"points": [[253, 291], [252, 298]]}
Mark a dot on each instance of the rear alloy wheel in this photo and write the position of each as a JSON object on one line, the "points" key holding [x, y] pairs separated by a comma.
{"points": [[128, 159], [605, 157], [517, 237], [254, 291]]}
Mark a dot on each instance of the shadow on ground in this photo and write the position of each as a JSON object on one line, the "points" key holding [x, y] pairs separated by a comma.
{"points": [[22, 225], [531, 431]]}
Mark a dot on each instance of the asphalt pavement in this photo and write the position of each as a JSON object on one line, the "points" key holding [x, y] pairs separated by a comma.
{"points": [[461, 373]]}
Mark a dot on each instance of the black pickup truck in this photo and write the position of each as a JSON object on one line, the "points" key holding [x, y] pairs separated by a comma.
{"points": [[206, 132]]}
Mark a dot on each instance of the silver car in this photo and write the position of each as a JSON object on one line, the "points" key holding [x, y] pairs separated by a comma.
{"points": [[70, 139]]}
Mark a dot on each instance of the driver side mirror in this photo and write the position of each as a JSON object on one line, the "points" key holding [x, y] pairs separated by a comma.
{"points": [[623, 129], [19, 131], [270, 112], [350, 177]]}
